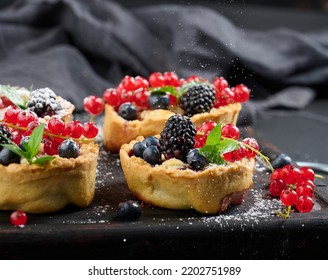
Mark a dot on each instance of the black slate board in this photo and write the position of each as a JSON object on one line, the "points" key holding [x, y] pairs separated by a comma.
{"points": [[247, 231]]}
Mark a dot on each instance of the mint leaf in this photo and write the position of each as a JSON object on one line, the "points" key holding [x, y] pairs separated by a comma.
{"points": [[13, 96], [215, 146], [34, 142]]}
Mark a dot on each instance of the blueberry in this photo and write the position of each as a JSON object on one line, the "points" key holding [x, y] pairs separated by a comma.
{"points": [[7, 157], [68, 149], [281, 160], [138, 149], [159, 100], [196, 160], [24, 142], [129, 210], [152, 155], [151, 141], [128, 111]]}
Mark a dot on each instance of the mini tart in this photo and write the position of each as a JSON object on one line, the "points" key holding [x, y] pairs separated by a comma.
{"points": [[65, 112], [60, 182], [118, 131], [171, 185]]}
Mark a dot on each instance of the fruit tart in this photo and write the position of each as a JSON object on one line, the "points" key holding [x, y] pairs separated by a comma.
{"points": [[140, 106], [45, 162], [206, 168]]}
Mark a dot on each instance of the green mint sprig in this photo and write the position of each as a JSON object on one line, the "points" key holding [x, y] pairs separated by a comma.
{"points": [[215, 146], [11, 93], [31, 147]]}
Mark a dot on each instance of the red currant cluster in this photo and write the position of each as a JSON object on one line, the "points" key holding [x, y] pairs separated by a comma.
{"points": [[295, 187], [21, 123], [248, 147], [136, 91]]}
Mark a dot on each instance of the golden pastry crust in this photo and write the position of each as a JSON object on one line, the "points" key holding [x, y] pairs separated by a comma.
{"points": [[48, 188], [118, 131], [209, 191]]}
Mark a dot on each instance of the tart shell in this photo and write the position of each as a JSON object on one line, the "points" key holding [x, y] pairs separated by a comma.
{"points": [[118, 131], [48, 188], [172, 186]]}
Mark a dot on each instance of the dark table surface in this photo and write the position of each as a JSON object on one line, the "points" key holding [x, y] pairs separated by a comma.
{"points": [[248, 231]]}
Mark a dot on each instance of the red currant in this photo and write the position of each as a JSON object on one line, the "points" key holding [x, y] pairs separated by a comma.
{"points": [[25, 117], [94, 105], [307, 173], [275, 174], [202, 133], [11, 114], [51, 145], [111, 97], [56, 126], [156, 79], [230, 131], [304, 190], [276, 187], [304, 204], [242, 93], [74, 129], [306, 182], [141, 82], [288, 197], [224, 97], [31, 126], [234, 155], [290, 174], [171, 79], [252, 143], [16, 136], [196, 78], [220, 83], [90, 130], [128, 83], [141, 98], [18, 218]]}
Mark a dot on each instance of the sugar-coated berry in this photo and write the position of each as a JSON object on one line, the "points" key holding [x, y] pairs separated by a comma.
{"points": [[152, 155], [141, 82], [94, 105], [138, 149], [128, 211], [25, 117], [235, 155], [141, 98], [111, 97], [68, 149], [230, 131], [251, 147], [156, 79], [220, 83], [171, 79], [10, 115], [90, 130], [18, 218], [196, 160], [128, 83], [224, 97], [128, 111]]}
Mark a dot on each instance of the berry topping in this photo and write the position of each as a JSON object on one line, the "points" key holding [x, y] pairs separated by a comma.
{"points": [[7, 157], [138, 149], [94, 105], [128, 111], [43, 102], [152, 155], [177, 137], [68, 149], [151, 141], [129, 210], [197, 99], [196, 160], [159, 100], [4, 135]]}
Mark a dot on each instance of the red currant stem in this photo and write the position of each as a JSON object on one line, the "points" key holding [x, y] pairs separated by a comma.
{"points": [[92, 117], [286, 213], [79, 140], [319, 176], [265, 158], [200, 133]]}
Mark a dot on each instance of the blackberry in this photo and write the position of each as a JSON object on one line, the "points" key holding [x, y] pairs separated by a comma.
{"points": [[177, 137], [197, 99], [43, 102], [4, 135]]}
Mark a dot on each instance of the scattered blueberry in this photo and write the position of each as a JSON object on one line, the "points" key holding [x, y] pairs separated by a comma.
{"points": [[281, 160], [138, 149], [159, 100], [196, 160], [151, 141], [68, 149], [128, 111], [7, 157], [152, 155], [129, 210]]}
